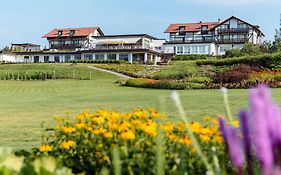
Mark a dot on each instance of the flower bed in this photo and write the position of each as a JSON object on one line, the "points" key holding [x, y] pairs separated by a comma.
{"points": [[87, 142]]}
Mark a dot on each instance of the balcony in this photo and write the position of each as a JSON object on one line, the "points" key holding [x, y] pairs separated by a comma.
{"points": [[233, 41], [183, 41], [65, 46], [233, 30], [121, 47]]}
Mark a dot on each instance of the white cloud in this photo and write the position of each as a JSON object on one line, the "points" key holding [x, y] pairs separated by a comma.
{"points": [[230, 2]]}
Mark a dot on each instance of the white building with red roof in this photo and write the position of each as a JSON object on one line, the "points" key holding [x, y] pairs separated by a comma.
{"points": [[212, 38]]}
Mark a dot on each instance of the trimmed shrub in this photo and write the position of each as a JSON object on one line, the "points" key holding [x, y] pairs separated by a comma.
{"points": [[163, 84], [264, 60], [234, 75], [192, 57], [98, 61]]}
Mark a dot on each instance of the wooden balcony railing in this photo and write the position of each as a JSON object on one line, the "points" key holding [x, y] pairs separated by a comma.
{"points": [[234, 30]]}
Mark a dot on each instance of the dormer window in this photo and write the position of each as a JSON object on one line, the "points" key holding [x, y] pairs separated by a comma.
{"points": [[72, 32], [204, 29], [182, 30], [60, 32]]}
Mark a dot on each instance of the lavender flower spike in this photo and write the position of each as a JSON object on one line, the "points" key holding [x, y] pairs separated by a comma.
{"points": [[233, 143], [260, 103]]}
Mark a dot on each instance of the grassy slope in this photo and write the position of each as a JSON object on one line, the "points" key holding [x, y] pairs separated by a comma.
{"points": [[26, 104]]}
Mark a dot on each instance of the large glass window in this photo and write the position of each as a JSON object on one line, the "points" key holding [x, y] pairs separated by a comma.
{"points": [[67, 58], [111, 56], [186, 49], [202, 50], [194, 49], [57, 58], [180, 50], [99, 56], [77, 57], [88, 56], [124, 56]]}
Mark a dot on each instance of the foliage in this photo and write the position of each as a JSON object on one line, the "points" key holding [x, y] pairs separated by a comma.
{"points": [[191, 57], [233, 53], [44, 72], [263, 60], [10, 164], [97, 61], [235, 75], [127, 143], [133, 70], [176, 71], [163, 84]]}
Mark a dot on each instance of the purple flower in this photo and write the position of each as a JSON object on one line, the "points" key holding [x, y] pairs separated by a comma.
{"points": [[245, 128], [260, 105], [233, 142]]}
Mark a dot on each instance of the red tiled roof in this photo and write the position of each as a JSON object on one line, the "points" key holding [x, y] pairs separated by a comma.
{"points": [[190, 27], [79, 32]]}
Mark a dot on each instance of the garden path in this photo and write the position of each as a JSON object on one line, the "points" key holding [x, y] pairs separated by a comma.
{"points": [[111, 72]]}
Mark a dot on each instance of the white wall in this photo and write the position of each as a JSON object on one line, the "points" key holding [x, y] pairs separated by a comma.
{"points": [[7, 57], [208, 48]]}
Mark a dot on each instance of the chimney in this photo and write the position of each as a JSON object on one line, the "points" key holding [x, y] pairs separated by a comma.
{"points": [[200, 22], [219, 20]]}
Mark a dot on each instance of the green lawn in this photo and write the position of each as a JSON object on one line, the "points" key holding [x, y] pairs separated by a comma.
{"points": [[26, 104]]}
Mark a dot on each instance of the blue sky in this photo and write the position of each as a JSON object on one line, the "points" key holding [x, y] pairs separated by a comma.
{"points": [[28, 20]]}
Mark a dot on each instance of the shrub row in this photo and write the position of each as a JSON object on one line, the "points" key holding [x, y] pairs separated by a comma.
{"points": [[264, 60], [162, 84], [234, 75], [25, 76], [97, 61], [192, 57]]}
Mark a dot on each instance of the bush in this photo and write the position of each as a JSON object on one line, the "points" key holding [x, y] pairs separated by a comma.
{"points": [[191, 57], [233, 53], [98, 61], [163, 84], [234, 75], [263, 60]]}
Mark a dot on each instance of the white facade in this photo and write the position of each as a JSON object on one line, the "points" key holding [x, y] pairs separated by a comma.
{"points": [[212, 38], [7, 57]]}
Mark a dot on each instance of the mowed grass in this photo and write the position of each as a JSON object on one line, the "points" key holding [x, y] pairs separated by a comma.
{"points": [[26, 104]]}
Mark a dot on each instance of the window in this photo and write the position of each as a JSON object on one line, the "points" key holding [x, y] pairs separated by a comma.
{"points": [[124, 56], [111, 56], [202, 50], [182, 30], [67, 58], [88, 56], [60, 32], [72, 32], [180, 50], [77, 57], [204, 29], [57, 58], [99, 56], [26, 59], [186, 49], [46, 59], [194, 49]]}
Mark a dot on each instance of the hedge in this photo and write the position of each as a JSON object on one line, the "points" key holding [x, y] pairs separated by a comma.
{"points": [[163, 84], [98, 61], [264, 60], [192, 57]]}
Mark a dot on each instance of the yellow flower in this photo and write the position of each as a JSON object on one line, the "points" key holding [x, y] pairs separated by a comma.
{"points": [[80, 125], [68, 144], [127, 135], [149, 128], [235, 123], [46, 148], [99, 131], [185, 141], [108, 135], [168, 127], [68, 129]]}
